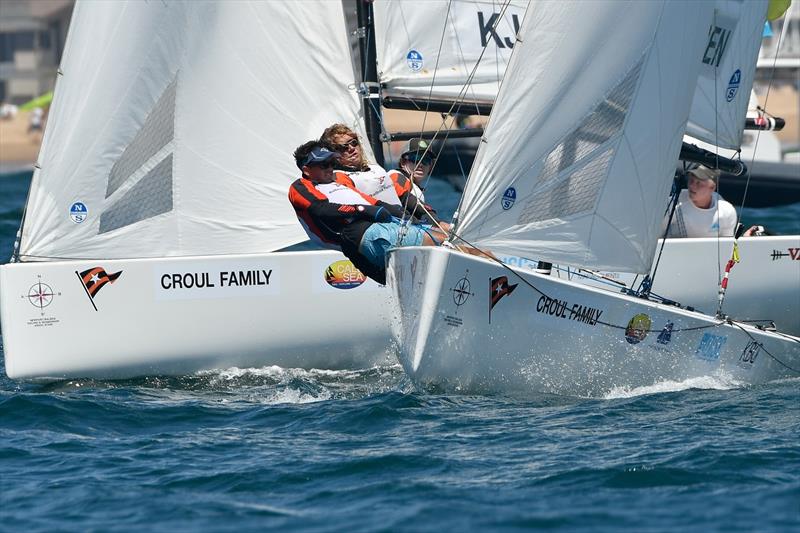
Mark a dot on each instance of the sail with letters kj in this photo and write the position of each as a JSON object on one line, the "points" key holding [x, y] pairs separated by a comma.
{"points": [[430, 48]]}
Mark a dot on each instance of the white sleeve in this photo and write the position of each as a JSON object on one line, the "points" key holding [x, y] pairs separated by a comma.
{"points": [[727, 218]]}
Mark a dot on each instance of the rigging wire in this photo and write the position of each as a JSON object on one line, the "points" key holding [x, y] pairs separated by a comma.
{"points": [[458, 100]]}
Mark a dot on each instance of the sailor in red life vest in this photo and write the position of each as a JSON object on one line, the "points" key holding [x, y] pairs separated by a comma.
{"points": [[391, 187], [336, 214]]}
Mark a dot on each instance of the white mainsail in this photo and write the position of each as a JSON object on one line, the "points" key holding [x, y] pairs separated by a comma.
{"points": [[173, 123], [580, 150], [727, 71], [429, 48]]}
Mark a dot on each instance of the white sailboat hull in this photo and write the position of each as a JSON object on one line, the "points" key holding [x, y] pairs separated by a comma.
{"points": [[763, 286], [567, 339], [180, 315]]}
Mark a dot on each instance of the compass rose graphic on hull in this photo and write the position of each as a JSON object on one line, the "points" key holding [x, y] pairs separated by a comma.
{"points": [[40, 295], [461, 291]]}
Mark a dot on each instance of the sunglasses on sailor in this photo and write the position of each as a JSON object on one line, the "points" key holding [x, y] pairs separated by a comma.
{"points": [[426, 159], [352, 143]]}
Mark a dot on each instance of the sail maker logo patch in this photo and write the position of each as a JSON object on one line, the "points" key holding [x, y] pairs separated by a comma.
{"points": [[509, 197], [733, 85], [414, 61], [344, 275], [78, 212]]}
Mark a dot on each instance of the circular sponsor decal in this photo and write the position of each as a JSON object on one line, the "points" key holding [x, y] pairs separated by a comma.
{"points": [[414, 60], [344, 275], [637, 328], [733, 85], [78, 212], [509, 197]]}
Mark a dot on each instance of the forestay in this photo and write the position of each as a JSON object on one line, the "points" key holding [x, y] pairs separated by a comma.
{"points": [[409, 34], [727, 71], [174, 122], [578, 157]]}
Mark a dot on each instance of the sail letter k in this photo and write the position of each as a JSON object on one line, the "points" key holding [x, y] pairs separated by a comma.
{"points": [[488, 29]]}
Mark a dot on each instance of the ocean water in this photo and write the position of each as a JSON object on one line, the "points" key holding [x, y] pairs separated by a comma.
{"points": [[313, 450]]}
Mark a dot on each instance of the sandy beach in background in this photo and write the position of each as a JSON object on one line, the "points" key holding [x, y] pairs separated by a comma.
{"points": [[18, 148]]}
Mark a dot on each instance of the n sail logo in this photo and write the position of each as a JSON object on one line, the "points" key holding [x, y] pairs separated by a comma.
{"points": [[488, 30], [95, 279], [733, 85]]}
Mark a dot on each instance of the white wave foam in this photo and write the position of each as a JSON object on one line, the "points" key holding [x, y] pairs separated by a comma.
{"points": [[715, 382]]}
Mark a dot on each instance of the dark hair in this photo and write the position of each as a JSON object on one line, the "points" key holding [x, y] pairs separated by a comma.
{"points": [[302, 151]]}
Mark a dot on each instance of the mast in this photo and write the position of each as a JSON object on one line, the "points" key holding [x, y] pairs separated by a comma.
{"points": [[370, 88]]}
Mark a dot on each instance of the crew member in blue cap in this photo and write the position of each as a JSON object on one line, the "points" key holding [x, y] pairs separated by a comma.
{"points": [[337, 215]]}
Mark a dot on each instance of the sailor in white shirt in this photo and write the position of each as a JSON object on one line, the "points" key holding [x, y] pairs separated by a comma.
{"points": [[701, 211]]}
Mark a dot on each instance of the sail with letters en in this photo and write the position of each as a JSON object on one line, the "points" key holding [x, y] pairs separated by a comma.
{"points": [[727, 72]]}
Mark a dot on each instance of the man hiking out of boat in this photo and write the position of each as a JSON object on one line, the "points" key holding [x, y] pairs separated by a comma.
{"points": [[394, 188], [337, 215], [415, 165], [701, 211]]}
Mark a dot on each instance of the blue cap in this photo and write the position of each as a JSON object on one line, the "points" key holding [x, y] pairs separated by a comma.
{"points": [[319, 155]]}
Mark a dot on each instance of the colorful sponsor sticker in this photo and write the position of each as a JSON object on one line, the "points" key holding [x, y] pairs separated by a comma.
{"points": [[509, 197], [414, 60], [637, 328], [666, 334], [709, 347], [750, 354], [344, 275], [78, 212]]}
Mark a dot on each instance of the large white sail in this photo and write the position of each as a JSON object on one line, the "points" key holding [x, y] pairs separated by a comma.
{"points": [[174, 123], [727, 71], [578, 157], [429, 48]]}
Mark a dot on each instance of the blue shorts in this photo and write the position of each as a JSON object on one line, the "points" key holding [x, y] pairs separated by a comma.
{"points": [[381, 236]]}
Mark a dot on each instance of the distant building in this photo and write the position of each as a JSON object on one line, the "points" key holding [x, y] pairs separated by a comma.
{"points": [[32, 36]]}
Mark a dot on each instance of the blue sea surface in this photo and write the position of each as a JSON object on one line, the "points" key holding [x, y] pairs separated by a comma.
{"points": [[313, 450]]}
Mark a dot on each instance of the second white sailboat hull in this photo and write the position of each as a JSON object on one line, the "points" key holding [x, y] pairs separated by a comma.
{"points": [[181, 315], [559, 337]]}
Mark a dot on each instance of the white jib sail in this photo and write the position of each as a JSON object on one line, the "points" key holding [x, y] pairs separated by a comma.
{"points": [[727, 71], [428, 48], [577, 161], [174, 123]]}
